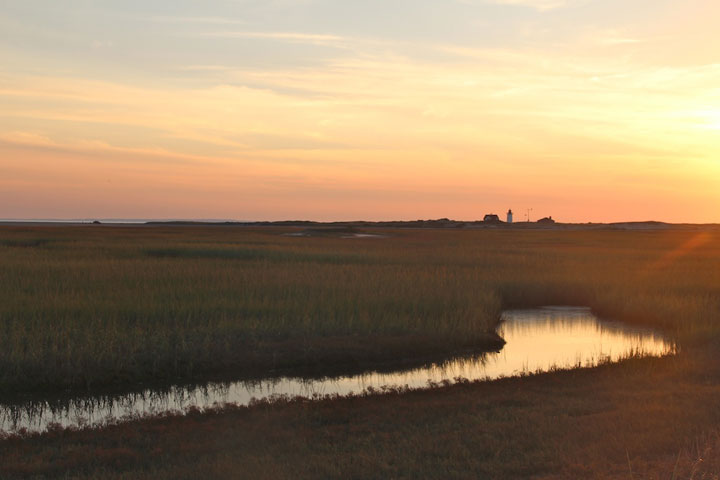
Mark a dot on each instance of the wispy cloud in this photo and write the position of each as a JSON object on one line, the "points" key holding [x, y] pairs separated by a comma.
{"points": [[35, 141], [291, 37], [206, 68], [612, 37], [26, 139], [541, 5], [197, 20]]}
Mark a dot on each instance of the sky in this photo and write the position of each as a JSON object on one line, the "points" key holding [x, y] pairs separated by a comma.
{"points": [[585, 110]]}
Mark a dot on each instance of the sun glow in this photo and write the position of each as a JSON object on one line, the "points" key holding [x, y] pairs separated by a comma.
{"points": [[711, 119]]}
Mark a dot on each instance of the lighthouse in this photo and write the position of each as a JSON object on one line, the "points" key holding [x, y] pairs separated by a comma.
{"points": [[509, 216]]}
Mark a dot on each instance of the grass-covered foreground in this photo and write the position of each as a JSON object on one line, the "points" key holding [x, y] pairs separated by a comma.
{"points": [[642, 419], [112, 306]]}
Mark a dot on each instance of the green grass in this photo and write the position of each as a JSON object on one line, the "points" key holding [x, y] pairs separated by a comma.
{"points": [[113, 306]]}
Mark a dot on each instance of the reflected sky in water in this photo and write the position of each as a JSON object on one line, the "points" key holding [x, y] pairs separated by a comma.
{"points": [[537, 340]]}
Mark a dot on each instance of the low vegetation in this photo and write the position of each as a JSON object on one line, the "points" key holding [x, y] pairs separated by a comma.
{"points": [[114, 306], [643, 419], [105, 306]]}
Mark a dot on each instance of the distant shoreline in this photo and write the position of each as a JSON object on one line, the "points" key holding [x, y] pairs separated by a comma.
{"points": [[439, 223]]}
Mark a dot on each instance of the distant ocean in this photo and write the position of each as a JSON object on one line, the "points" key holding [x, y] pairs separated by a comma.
{"points": [[112, 220]]}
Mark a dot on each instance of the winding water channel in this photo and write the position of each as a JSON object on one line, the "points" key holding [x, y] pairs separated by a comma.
{"points": [[537, 340]]}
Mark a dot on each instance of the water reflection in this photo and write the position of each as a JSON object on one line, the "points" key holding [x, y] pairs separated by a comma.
{"points": [[537, 340]]}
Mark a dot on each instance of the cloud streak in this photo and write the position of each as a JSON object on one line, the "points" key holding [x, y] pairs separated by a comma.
{"points": [[541, 5], [290, 37]]}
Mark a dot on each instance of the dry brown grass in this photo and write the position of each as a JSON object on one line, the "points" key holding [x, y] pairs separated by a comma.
{"points": [[649, 416], [125, 304], [109, 306]]}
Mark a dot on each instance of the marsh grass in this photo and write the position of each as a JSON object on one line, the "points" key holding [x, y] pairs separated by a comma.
{"points": [[656, 417], [119, 305], [257, 254], [25, 242]]}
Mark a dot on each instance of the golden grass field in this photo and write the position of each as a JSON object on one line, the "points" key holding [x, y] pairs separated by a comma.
{"points": [[103, 306], [112, 306]]}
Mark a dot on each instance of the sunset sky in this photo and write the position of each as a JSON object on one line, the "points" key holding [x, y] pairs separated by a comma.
{"points": [[586, 110]]}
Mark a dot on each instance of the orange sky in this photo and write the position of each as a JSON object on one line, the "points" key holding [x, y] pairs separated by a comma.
{"points": [[307, 109]]}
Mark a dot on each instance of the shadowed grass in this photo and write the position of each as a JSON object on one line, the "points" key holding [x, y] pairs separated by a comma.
{"points": [[656, 417], [257, 254], [25, 242]]}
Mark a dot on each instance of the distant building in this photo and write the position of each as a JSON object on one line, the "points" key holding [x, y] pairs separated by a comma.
{"points": [[491, 218], [546, 220], [509, 216]]}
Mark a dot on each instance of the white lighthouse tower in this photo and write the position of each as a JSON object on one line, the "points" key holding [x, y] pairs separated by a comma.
{"points": [[509, 216]]}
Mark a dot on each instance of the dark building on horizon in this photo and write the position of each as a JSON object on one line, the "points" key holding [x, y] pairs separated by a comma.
{"points": [[491, 218], [546, 221]]}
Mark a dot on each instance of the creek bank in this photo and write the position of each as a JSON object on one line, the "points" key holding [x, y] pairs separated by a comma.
{"points": [[538, 340], [314, 358]]}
